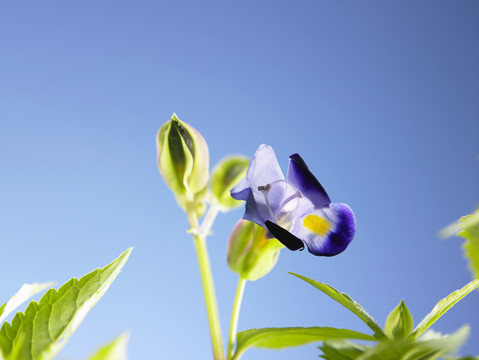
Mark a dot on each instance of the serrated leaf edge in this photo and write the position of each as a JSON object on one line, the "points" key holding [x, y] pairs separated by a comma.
{"points": [[80, 313], [355, 307], [244, 341], [442, 306]]}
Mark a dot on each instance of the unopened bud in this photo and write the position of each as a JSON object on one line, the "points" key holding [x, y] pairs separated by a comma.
{"points": [[183, 160], [250, 253], [227, 173]]}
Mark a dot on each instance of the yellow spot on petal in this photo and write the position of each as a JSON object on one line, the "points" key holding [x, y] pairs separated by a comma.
{"points": [[317, 224]]}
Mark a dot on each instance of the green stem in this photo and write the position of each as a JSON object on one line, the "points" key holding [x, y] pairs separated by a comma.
{"points": [[207, 280], [208, 220], [235, 315]]}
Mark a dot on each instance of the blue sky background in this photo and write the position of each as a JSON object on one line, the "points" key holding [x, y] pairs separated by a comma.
{"points": [[379, 97]]}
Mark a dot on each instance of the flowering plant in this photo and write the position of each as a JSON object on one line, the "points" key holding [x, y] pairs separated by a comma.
{"points": [[293, 212]]}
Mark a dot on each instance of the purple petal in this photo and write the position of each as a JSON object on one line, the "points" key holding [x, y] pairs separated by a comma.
{"points": [[299, 176], [252, 211], [263, 170], [241, 190], [342, 224]]}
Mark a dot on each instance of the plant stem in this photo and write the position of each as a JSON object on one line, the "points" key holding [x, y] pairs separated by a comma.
{"points": [[208, 221], [199, 238], [235, 315]]}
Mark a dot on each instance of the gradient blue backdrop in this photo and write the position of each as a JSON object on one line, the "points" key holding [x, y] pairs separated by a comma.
{"points": [[379, 97]]}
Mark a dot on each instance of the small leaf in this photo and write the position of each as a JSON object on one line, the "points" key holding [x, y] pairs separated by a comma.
{"points": [[45, 327], [348, 303], [116, 350], [442, 307], [280, 338], [25, 293], [399, 323]]}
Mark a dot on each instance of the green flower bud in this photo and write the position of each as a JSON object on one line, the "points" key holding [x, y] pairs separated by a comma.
{"points": [[227, 173], [399, 324], [183, 160], [250, 253]]}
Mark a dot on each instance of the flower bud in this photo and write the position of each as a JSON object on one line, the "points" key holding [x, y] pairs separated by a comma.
{"points": [[227, 173], [183, 159], [250, 254], [399, 323]]}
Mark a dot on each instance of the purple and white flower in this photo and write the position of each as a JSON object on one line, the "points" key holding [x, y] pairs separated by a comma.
{"points": [[297, 210]]}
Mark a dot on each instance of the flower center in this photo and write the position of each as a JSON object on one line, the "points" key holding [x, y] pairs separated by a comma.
{"points": [[265, 191], [286, 206]]}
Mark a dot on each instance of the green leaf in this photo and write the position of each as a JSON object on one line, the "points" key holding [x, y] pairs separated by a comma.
{"points": [[45, 327], [399, 323], [116, 350], [470, 232], [422, 349], [398, 349], [348, 303], [341, 350], [280, 338], [471, 251], [468, 228], [465, 222], [442, 307], [25, 293], [445, 343]]}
